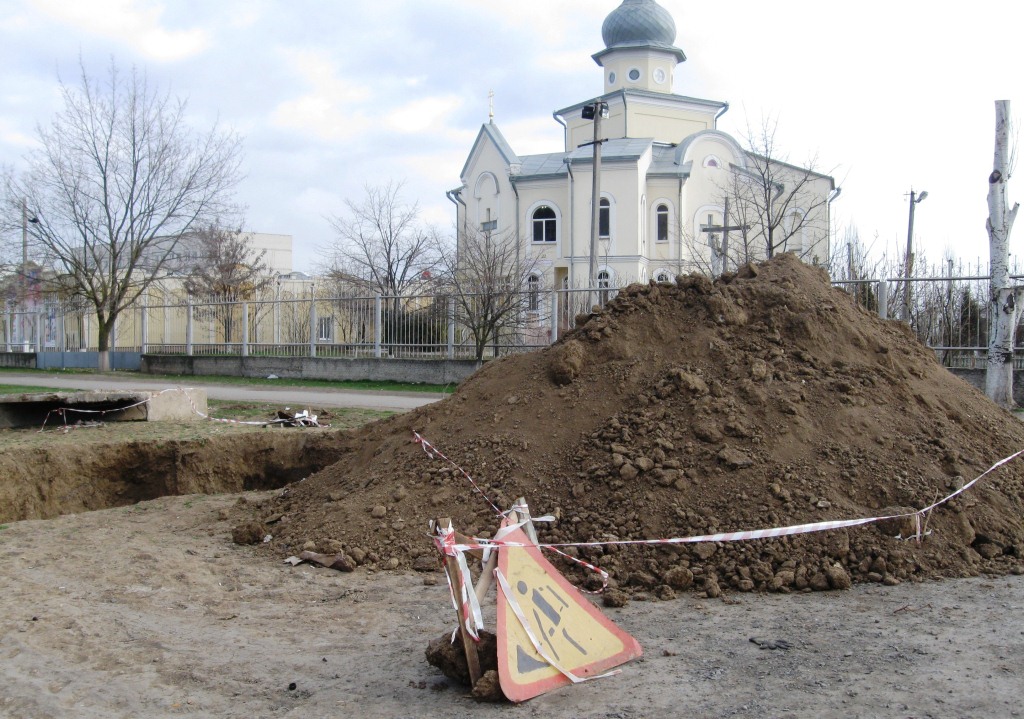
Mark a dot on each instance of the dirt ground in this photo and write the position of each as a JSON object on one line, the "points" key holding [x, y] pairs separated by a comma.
{"points": [[152, 611], [761, 400]]}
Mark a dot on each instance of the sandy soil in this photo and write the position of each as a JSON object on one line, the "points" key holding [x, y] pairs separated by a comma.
{"points": [[152, 611]]}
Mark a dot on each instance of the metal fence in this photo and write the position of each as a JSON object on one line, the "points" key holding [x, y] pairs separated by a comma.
{"points": [[948, 312]]}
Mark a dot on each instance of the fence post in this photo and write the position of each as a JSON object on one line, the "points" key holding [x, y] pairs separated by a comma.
{"points": [[377, 312], [188, 328], [144, 345], [882, 290], [451, 328], [312, 328], [62, 343], [8, 325], [554, 315], [245, 329], [277, 315], [40, 319]]}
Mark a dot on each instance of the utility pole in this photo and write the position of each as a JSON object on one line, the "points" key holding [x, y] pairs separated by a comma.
{"points": [[909, 267], [23, 275], [595, 112]]}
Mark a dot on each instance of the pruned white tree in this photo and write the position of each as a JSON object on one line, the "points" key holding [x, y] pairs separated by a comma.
{"points": [[1005, 300], [119, 178]]}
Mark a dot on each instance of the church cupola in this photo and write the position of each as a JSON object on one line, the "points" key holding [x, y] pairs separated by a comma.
{"points": [[639, 53]]}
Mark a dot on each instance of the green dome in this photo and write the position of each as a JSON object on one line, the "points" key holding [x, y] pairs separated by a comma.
{"points": [[639, 23]]}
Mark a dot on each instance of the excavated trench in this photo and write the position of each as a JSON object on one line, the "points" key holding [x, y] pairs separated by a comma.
{"points": [[42, 482]]}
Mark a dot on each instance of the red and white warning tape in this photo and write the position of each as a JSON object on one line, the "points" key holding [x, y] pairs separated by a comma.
{"points": [[740, 536], [461, 585]]}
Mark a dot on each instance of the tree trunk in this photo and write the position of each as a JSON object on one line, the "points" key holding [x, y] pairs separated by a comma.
{"points": [[104, 326], [1005, 301]]}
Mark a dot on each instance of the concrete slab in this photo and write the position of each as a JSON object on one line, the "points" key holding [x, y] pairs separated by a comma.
{"points": [[57, 408]]}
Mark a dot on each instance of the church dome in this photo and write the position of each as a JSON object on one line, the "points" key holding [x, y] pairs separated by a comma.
{"points": [[639, 23]]}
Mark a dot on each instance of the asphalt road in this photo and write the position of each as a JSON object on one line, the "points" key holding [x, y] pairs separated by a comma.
{"points": [[285, 395]]}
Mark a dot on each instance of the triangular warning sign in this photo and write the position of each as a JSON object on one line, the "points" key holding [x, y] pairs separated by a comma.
{"points": [[574, 637]]}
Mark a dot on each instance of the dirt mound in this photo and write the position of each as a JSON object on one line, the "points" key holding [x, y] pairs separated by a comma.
{"points": [[766, 398]]}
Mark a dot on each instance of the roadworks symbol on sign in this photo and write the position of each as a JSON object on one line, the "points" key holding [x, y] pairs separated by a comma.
{"points": [[570, 630]]}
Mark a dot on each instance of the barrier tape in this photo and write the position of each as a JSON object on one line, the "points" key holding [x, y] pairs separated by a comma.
{"points": [[431, 451], [461, 585], [744, 535]]}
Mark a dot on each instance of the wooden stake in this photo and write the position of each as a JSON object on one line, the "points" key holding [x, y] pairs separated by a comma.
{"points": [[487, 573], [528, 528], [468, 644]]}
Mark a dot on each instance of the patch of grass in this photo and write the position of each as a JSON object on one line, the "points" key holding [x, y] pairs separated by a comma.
{"points": [[3, 527], [366, 385], [258, 411], [27, 389]]}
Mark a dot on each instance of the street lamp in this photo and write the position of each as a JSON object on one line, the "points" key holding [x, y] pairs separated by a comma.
{"points": [[23, 294], [595, 111], [909, 268]]}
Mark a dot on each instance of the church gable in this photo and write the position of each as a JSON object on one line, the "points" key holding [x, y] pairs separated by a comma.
{"points": [[490, 149]]}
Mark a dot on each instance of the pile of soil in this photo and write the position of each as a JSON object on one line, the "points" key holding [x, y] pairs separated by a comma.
{"points": [[764, 399]]}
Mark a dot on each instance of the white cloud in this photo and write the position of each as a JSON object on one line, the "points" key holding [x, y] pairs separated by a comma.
{"points": [[331, 108], [426, 114], [135, 23], [12, 135]]}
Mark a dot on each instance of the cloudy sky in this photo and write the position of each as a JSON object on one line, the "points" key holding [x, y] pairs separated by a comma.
{"points": [[331, 96]]}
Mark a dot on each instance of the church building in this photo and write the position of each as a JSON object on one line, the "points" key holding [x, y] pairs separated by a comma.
{"points": [[667, 178]]}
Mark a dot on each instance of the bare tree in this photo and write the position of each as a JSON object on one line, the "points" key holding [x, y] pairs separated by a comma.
{"points": [[381, 241], [224, 268], [496, 287], [851, 268], [785, 205], [222, 264], [1004, 306], [118, 180], [767, 206]]}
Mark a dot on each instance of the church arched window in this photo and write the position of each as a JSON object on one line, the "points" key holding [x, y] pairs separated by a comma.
{"points": [[604, 281], [533, 293], [545, 224], [604, 224], [661, 215]]}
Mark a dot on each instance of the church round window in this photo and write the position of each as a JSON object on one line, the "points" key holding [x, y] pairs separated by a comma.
{"points": [[611, 78], [659, 76], [634, 74]]}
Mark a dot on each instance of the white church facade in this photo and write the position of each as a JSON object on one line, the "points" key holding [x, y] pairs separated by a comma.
{"points": [[666, 179]]}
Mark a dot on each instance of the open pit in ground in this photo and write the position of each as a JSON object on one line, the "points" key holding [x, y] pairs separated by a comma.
{"points": [[766, 398], [78, 472]]}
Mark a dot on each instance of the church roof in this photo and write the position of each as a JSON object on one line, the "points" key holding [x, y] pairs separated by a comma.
{"points": [[621, 149], [639, 24], [640, 93], [550, 164]]}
